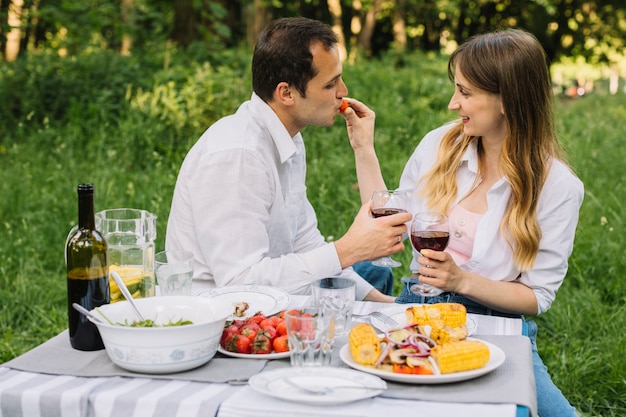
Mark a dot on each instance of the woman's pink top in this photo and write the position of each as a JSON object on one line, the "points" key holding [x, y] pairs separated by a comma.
{"points": [[463, 224]]}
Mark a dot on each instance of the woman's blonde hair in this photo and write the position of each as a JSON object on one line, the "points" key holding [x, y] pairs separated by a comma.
{"points": [[512, 64]]}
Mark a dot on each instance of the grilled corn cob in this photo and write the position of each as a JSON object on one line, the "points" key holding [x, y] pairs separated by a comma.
{"points": [[441, 315], [446, 334], [460, 356], [364, 344]]}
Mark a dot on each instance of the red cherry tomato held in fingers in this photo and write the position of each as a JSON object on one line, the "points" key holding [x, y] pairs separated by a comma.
{"points": [[344, 105]]}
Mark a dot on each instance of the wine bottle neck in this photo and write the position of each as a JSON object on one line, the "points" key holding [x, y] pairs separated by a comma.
{"points": [[86, 208]]}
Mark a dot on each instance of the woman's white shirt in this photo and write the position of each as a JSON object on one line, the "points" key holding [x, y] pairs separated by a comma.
{"points": [[557, 213]]}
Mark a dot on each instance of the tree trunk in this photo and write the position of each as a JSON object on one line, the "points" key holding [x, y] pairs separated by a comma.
{"points": [[35, 33], [128, 24], [399, 26], [14, 20], [184, 31], [334, 8], [258, 16], [365, 37], [614, 79]]}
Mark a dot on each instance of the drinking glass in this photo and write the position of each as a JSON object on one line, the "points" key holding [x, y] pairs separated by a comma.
{"points": [[310, 334], [429, 230], [386, 203], [174, 271], [336, 295]]}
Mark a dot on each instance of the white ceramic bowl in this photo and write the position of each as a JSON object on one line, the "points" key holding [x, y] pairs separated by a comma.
{"points": [[164, 349]]}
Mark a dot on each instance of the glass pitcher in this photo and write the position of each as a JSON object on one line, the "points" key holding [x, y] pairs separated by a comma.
{"points": [[130, 235]]}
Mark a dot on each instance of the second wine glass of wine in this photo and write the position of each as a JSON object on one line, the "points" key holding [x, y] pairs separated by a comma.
{"points": [[386, 203], [429, 230]]}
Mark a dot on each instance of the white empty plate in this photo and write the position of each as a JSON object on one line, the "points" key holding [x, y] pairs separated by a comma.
{"points": [[333, 380]]}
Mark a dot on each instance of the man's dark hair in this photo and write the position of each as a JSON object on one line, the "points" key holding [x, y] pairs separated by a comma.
{"points": [[282, 54]]}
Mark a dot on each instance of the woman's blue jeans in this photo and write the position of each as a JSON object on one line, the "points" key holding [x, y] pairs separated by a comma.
{"points": [[380, 277], [550, 400]]}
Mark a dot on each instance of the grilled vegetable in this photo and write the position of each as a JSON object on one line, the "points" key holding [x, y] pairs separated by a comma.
{"points": [[364, 344], [447, 334], [460, 356], [441, 315], [398, 336]]}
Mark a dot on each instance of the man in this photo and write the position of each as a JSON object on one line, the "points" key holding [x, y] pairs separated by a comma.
{"points": [[240, 201]]}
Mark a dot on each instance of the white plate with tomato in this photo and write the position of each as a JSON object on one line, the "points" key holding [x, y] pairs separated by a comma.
{"points": [[255, 337], [496, 358], [266, 356]]}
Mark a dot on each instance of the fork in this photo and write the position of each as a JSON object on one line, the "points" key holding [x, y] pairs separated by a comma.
{"points": [[389, 321], [325, 390]]}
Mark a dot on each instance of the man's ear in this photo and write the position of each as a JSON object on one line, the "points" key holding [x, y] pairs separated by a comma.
{"points": [[283, 94]]}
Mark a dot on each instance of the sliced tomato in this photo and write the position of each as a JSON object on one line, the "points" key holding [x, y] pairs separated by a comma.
{"points": [[403, 368]]}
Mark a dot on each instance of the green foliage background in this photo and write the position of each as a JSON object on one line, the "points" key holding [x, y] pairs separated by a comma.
{"points": [[126, 123]]}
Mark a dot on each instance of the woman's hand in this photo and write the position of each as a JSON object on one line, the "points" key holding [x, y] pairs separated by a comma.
{"points": [[360, 121], [439, 270], [360, 125]]}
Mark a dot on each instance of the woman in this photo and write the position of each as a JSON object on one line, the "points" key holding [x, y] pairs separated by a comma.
{"points": [[500, 174]]}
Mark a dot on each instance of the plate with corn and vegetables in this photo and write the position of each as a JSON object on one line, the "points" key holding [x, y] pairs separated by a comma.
{"points": [[432, 349], [496, 359]]}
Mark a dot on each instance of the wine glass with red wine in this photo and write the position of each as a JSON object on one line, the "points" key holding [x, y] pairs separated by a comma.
{"points": [[386, 203], [429, 230]]}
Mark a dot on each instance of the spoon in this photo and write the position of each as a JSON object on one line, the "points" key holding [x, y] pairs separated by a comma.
{"points": [[120, 283], [86, 312]]}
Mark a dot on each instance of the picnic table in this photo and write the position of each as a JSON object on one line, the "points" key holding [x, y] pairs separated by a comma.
{"points": [[55, 380]]}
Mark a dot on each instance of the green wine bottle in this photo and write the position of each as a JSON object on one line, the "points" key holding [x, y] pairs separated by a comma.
{"points": [[87, 273]]}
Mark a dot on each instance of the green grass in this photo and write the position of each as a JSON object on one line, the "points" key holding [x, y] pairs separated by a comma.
{"points": [[127, 126]]}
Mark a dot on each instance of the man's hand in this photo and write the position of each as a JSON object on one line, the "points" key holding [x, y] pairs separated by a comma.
{"points": [[369, 238]]}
